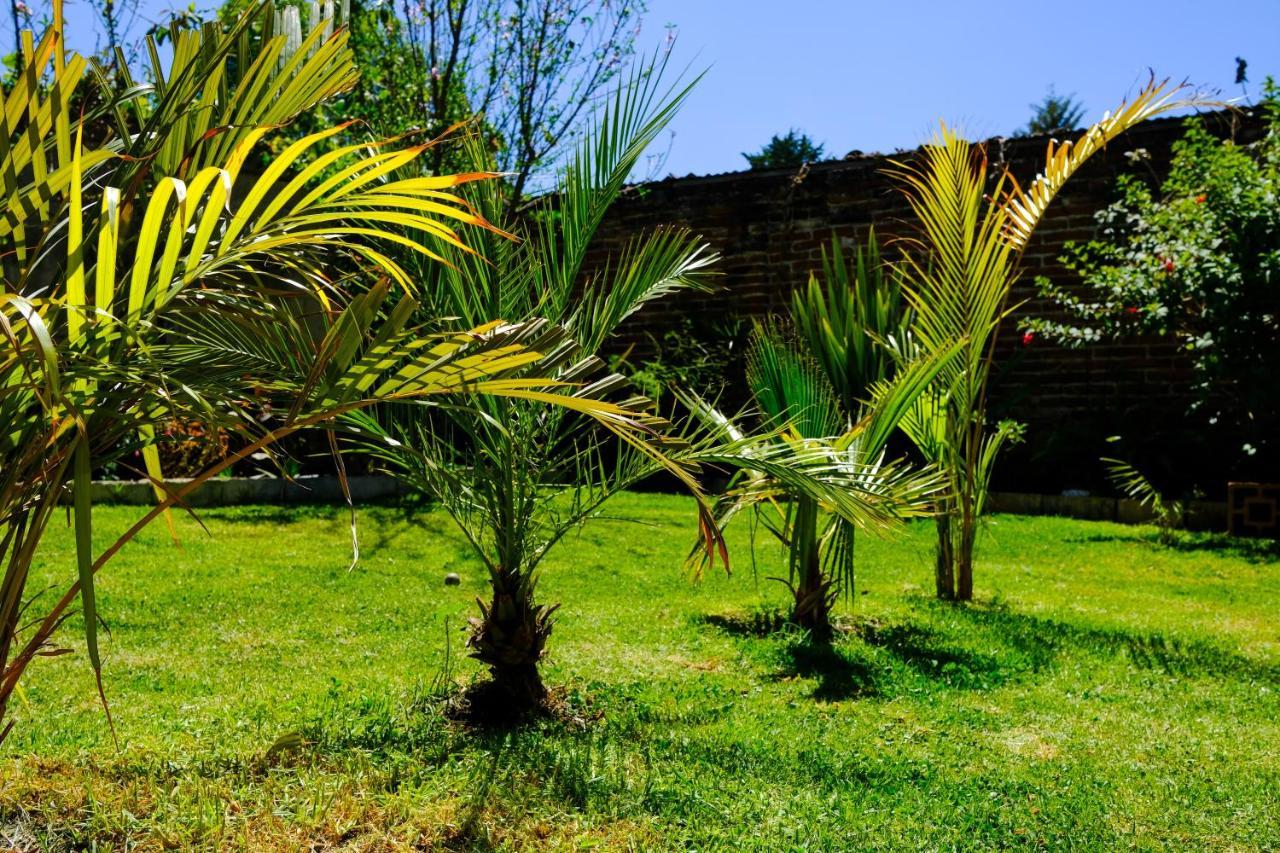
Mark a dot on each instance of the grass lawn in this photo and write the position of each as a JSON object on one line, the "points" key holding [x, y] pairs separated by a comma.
{"points": [[1103, 692]]}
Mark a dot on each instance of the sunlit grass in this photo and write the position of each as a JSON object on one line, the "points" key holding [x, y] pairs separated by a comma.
{"points": [[1103, 691]]}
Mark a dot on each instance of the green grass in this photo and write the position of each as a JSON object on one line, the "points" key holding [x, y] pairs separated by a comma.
{"points": [[1103, 692]]}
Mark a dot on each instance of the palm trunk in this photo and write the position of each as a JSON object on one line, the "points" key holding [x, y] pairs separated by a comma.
{"points": [[812, 609], [15, 576], [964, 559], [510, 636], [22, 534], [944, 569]]}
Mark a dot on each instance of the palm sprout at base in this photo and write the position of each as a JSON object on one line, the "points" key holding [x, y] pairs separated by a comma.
{"points": [[1167, 512]]}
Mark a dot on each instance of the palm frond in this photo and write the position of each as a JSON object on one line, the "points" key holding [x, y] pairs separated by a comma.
{"points": [[790, 387], [850, 316], [1063, 159]]}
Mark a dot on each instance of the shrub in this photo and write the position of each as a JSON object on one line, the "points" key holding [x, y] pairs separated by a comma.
{"points": [[1198, 258]]}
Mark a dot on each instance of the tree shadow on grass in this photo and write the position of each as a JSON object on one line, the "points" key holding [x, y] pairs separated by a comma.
{"points": [[761, 622], [282, 514], [841, 675], [1253, 551], [414, 516], [838, 677], [991, 645], [929, 653], [1041, 639]]}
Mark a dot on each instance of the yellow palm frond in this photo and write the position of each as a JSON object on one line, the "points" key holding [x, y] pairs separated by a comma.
{"points": [[1026, 208]]}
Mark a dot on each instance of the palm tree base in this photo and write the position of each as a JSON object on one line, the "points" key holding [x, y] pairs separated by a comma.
{"points": [[502, 701], [509, 639]]}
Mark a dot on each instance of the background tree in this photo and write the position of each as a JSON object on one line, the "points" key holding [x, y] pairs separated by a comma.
{"points": [[118, 18], [786, 152], [528, 71], [19, 19], [1196, 257], [1054, 114], [532, 69]]}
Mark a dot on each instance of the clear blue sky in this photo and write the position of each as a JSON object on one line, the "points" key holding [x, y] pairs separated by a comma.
{"points": [[877, 75]]}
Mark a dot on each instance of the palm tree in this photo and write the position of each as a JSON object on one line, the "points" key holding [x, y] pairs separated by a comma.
{"points": [[147, 276], [517, 477], [795, 405], [968, 250], [811, 378]]}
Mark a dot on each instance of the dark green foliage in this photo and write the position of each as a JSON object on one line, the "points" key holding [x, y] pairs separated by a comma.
{"points": [[851, 318], [790, 387], [786, 152], [702, 355]]}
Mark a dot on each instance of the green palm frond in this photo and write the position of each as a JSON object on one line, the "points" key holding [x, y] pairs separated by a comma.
{"points": [[1063, 159], [789, 386], [1132, 483], [851, 316]]}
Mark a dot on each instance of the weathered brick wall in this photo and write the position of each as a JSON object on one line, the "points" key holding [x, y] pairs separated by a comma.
{"points": [[770, 227]]}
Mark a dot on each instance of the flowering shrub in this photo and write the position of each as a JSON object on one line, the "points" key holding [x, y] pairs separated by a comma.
{"points": [[188, 448], [1198, 259]]}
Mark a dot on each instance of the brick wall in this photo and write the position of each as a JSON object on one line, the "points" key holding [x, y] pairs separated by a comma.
{"points": [[770, 227]]}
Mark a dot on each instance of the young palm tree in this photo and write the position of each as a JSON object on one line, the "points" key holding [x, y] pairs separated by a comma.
{"points": [[811, 379], [853, 319], [147, 276], [797, 406], [969, 248], [516, 476]]}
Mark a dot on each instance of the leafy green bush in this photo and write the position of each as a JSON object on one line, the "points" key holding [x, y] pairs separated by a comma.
{"points": [[1197, 258], [694, 354]]}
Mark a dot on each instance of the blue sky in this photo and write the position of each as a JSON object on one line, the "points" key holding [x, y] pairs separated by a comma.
{"points": [[877, 75]]}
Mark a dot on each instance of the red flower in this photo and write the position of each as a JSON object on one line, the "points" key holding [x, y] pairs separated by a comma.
{"points": [[1200, 199], [1027, 338], [1131, 310], [1168, 265]]}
